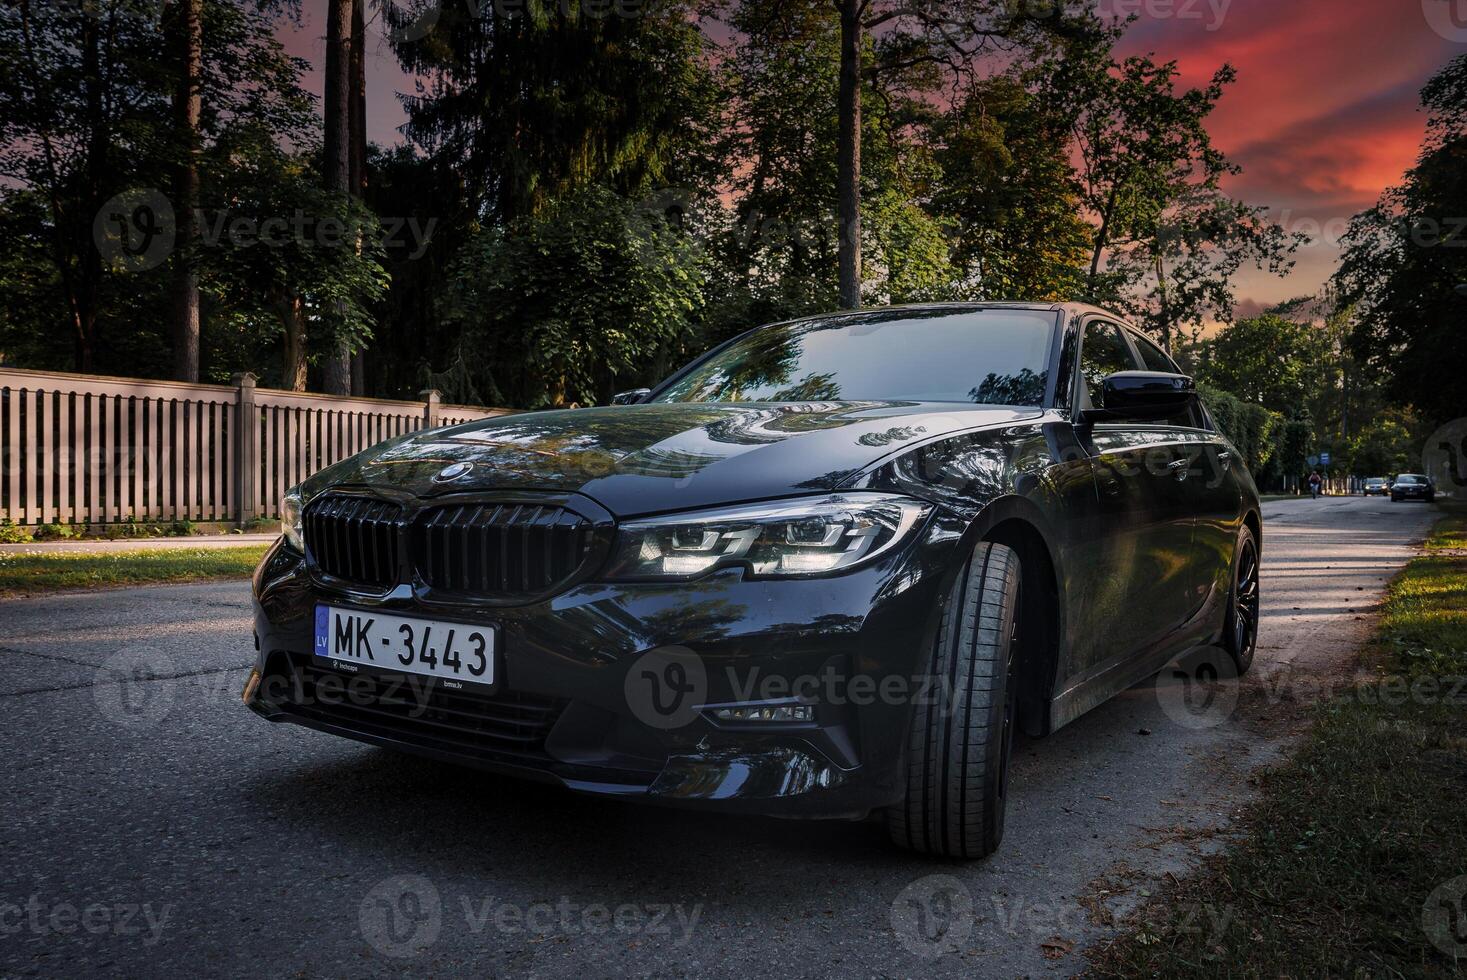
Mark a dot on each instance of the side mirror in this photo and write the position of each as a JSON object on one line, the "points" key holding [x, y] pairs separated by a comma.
{"points": [[630, 397], [1144, 395]]}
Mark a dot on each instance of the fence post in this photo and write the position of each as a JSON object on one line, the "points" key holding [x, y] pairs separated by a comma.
{"points": [[431, 398], [246, 448]]}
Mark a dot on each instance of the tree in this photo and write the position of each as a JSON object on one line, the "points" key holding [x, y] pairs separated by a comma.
{"points": [[1386, 446], [336, 170], [311, 272], [1268, 360], [949, 36], [534, 100], [1008, 185], [93, 126], [1404, 258], [188, 104], [1168, 241], [589, 296]]}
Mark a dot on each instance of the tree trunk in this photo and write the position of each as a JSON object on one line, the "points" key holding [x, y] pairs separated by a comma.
{"points": [[187, 103], [848, 155], [89, 259], [357, 136], [336, 366], [357, 108], [293, 320]]}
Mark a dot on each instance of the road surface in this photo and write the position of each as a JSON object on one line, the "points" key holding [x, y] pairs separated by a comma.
{"points": [[162, 829]]}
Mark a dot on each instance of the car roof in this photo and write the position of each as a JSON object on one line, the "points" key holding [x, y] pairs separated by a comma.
{"points": [[972, 306]]}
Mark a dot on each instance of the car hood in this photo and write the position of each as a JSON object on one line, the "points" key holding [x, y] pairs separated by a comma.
{"points": [[643, 459]]}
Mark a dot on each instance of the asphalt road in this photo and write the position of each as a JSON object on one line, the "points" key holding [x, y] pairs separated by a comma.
{"points": [[161, 829]]}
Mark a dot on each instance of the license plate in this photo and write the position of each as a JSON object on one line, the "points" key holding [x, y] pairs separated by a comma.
{"points": [[455, 653]]}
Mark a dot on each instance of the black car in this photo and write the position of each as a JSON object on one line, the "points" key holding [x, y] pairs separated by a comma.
{"points": [[1413, 486], [824, 570]]}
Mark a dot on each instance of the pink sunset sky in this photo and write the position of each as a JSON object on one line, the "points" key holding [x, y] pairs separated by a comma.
{"points": [[1323, 117]]}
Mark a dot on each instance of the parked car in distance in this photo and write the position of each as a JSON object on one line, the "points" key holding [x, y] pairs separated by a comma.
{"points": [[1376, 486], [1413, 486], [825, 570]]}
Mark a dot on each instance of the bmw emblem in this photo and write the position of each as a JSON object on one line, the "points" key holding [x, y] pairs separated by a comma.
{"points": [[452, 472]]}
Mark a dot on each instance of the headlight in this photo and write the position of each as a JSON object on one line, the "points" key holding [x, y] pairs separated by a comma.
{"points": [[779, 539], [290, 521]]}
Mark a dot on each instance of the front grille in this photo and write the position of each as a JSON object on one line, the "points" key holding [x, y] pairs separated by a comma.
{"points": [[355, 538], [508, 727], [500, 550]]}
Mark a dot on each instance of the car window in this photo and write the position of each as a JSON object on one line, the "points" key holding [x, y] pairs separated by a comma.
{"points": [[1105, 352], [1153, 356], [1408, 478], [985, 357]]}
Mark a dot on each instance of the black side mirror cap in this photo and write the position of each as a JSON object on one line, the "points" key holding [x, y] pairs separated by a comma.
{"points": [[630, 397], [1143, 396]]}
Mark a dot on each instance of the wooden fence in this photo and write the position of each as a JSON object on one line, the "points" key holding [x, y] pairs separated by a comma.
{"points": [[79, 449]]}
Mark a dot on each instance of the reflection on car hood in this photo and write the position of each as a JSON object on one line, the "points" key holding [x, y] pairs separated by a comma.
{"points": [[642, 459]]}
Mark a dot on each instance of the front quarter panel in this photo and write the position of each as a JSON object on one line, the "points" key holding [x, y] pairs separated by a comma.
{"points": [[1034, 473]]}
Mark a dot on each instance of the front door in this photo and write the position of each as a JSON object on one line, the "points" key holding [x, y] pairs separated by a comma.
{"points": [[1141, 473]]}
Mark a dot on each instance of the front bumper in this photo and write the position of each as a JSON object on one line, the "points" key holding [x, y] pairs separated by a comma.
{"points": [[571, 704]]}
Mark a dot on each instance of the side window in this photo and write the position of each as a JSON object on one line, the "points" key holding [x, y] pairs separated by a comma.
{"points": [[1155, 359], [1105, 352], [1153, 356]]}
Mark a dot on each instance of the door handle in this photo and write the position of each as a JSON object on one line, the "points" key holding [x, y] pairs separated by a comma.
{"points": [[1179, 468], [1225, 458]]}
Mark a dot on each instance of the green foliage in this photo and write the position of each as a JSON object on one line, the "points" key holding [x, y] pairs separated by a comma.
{"points": [[1009, 187], [1385, 447], [1405, 257], [592, 295], [1268, 359], [1168, 240], [55, 532], [39, 573], [1250, 426], [11, 533]]}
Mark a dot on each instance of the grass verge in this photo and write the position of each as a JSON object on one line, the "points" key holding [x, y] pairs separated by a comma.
{"points": [[1354, 857], [30, 574]]}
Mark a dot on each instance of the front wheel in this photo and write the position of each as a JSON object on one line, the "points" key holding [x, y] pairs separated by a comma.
{"points": [[962, 731], [1240, 636]]}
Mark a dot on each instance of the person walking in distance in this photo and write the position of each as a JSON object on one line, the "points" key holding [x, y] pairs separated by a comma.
{"points": [[1315, 482]]}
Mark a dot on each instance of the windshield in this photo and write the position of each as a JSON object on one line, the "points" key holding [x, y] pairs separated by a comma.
{"points": [[1408, 478], [986, 357]]}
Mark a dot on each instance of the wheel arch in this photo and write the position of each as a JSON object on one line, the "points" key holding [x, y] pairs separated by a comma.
{"points": [[1016, 523]]}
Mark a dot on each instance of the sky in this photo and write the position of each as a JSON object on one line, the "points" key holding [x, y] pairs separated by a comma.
{"points": [[1324, 115]]}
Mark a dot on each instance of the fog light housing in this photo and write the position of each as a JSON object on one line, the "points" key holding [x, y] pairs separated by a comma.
{"points": [[251, 686], [784, 713]]}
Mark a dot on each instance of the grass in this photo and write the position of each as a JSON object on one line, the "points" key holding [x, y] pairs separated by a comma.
{"points": [[33, 573], [1344, 851]]}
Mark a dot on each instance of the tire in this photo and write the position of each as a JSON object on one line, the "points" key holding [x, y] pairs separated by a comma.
{"points": [[1240, 632], [961, 737]]}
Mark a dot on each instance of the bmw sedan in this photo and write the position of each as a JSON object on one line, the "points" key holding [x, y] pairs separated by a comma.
{"points": [[1413, 486], [826, 570]]}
